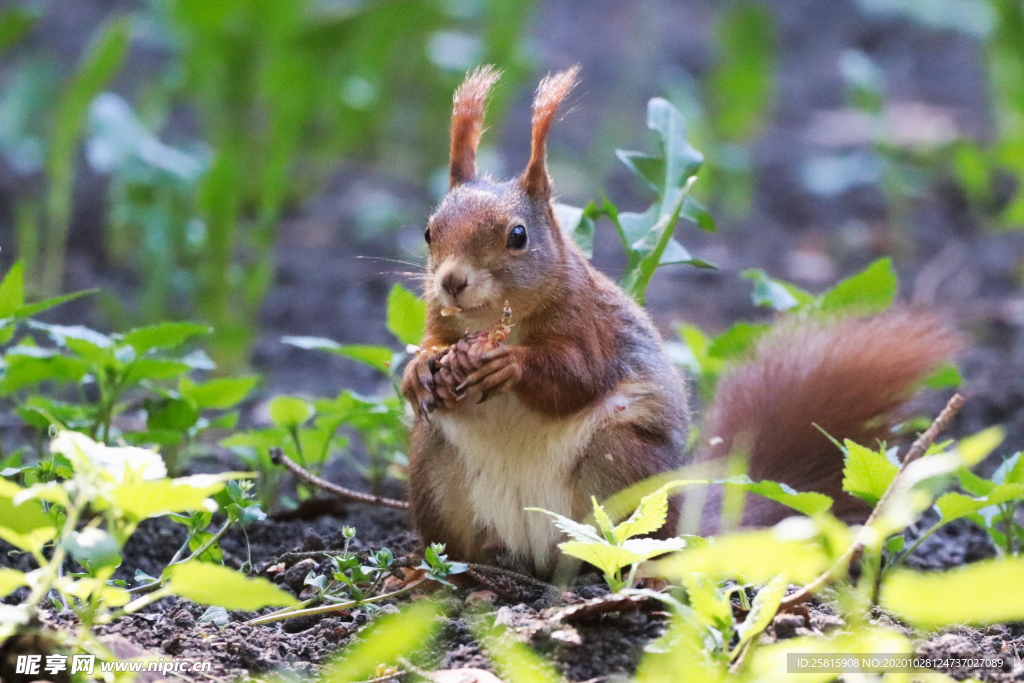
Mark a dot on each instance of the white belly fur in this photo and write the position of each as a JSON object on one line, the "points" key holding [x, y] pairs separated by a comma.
{"points": [[515, 458]]}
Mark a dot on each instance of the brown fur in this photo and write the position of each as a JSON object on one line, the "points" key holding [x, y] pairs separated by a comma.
{"points": [[468, 122], [550, 93], [847, 378], [583, 355]]}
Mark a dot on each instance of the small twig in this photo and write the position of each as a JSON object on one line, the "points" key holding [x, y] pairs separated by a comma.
{"points": [[278, 457], [281, 615], [856, 549]]}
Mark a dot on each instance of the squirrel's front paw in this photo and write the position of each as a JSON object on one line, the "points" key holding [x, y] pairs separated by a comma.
{"points": [[418, 384], [486, 374]]}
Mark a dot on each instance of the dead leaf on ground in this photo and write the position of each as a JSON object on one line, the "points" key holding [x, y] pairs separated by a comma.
{"points": [[595, 607]]}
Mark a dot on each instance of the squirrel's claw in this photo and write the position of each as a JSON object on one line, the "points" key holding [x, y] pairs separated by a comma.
{"points": [[494, 377]]}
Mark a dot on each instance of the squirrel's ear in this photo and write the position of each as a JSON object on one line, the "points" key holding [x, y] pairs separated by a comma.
{"points": [[468, 122], [550, 93]]}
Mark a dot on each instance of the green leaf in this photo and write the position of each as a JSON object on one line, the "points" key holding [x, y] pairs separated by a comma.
{"points": [[287, 411], [210, 584], [866, 474], [12, 290], [579, 532], [976, 447], [94, 549], [260, 439], [211, 553], [31, 309], [170, 414], [956, 505], [809, 503], [775, 294], [62, 334], [870, 291], [218, 394], [154, 437], [1011, 471], [99, 65], [23, 370], [698, 213], [946, 377], [644, 549], [742, 82], [383, 642], [988, 592], [647, 236], [606, 557], [154, 369], [762, 611], [792, 550], [407, 315], [10, 581], [973, 484], [165, 335], [648, 517], [377, 357], [24, 526], [604, 522], [712, 606], [736, 341], [15, 22], [578, 225]]}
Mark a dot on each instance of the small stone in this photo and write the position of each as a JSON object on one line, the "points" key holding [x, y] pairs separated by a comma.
{"points": [[481, 599], [787, 625]]}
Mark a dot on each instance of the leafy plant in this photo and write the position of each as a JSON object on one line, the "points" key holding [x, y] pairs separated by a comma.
{"points": [[613, 548], [353, 582], [264, 78], [868, 292], [310, 431], [113, 374], [990, 503], [88, 512], [97, 67], [647, 237]]}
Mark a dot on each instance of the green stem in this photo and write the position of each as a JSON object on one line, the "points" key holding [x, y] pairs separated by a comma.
{"points": [[1007, 515], [136, 604], [913, 546], [182, 549], [277, 616], [632, 575], [294, 432], [206, 546], [52, 572]]}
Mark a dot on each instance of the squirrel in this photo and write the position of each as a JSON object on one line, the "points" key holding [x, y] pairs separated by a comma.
{"points": [[575, 397]]}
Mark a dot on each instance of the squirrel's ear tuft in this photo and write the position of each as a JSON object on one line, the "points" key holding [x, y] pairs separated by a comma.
{"points": [[468, 122], [550, 93]]}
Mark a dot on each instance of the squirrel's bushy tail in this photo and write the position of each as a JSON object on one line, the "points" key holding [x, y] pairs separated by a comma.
{"points": [[847, 378]]}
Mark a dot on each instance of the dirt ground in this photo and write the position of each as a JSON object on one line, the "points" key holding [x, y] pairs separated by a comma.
{"points": [[331, 283]]}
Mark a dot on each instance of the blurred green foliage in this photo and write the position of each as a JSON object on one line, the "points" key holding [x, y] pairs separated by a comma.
{"points": [[730, 106], [279, 91]]}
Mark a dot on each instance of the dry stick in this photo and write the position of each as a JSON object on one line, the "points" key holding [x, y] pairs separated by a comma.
{"points": [[278, 457], [856, 549]]}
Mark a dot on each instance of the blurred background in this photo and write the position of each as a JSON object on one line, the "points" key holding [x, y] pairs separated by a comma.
{"points": [[267, 166]]}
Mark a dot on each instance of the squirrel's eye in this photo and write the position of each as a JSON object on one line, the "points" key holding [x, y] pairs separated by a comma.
{"points": [[426, 235], [517, 238]]}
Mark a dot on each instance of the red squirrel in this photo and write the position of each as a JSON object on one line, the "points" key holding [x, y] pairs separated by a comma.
{"points": [[577, 397]]}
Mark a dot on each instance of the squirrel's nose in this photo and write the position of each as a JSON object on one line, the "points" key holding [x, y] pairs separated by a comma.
{"points": [[454, 283]]}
